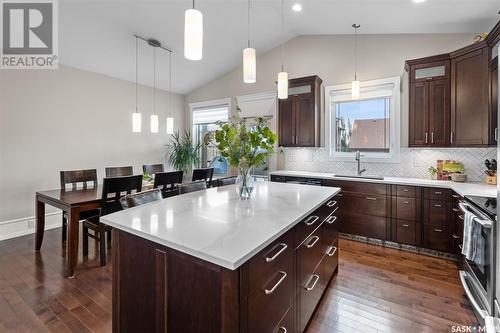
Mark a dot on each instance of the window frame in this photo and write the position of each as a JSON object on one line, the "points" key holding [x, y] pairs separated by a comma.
{"points": [[393, 156]]}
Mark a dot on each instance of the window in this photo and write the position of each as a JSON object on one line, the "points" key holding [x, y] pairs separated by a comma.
{"points": [[204, 118], [368, 124]]}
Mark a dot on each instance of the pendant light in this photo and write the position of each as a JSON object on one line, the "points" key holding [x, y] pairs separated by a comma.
{"points": [[282, 76], [249, 61], [355, 83], [170, 120], [154, 116], [136, 116], [193, 34]]}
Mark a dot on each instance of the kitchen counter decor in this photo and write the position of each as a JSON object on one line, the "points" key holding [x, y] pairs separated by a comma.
{"points": [[245, 144]]}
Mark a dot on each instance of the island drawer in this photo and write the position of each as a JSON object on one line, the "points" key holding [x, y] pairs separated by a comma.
{"points": [[263, 264], [305, 227], [268, 304], [330, 231], [309, 296], [286, 324], [330, 260], [406, 208], [309, 255]]}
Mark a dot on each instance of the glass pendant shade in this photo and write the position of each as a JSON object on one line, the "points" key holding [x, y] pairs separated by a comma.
{"points": [[282, 85], [249, 65], [355, 89], [193, 34], [154, 123], [136, 122], [170, 125]]}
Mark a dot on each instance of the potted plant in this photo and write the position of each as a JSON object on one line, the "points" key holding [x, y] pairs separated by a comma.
{"points": [[244, 146], [184, 152], [433, 171]]}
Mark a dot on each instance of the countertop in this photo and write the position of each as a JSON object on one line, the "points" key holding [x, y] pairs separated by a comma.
{"points": [[216, 226], [463, 189]]}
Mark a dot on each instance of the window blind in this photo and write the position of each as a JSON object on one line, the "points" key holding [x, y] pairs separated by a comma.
{"points": [[212, 114]]}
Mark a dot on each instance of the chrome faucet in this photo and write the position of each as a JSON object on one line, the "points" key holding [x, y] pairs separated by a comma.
{"points": [[358, 159]]}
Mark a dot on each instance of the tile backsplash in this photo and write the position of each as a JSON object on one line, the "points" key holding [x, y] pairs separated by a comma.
{"points": [[414, 162]]}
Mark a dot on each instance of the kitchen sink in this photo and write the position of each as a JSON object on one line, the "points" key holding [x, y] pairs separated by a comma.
{"points": [[361, 177]]}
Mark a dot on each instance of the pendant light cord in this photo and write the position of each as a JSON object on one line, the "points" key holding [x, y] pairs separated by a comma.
{"points": [[248, 31], [136, 72], [193, 4], [154, 80], [355, 26], [170, 86], [282, 35]]}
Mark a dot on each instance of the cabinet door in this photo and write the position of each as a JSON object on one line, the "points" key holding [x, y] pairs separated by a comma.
{"points": [[305, 120], [469, 99], [419, 114], [286, 135], [493, 103], [439, 112]]}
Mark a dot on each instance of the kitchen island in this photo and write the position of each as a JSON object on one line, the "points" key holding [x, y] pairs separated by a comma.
{"points": [[209, 262]]}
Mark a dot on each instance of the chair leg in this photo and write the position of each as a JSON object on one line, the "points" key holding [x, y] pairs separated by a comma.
{"points": [[102, 244], [64, 228], [85, 241], [109, 239]]}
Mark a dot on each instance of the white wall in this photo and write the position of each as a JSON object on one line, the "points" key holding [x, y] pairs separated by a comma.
{"points": [[52, 120]]}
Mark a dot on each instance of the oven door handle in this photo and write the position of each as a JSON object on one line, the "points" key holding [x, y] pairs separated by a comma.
{"points": [[483, 222], [476, 306]]}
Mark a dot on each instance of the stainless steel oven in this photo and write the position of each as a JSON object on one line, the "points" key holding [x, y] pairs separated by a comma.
{"points": [[478, 275]]}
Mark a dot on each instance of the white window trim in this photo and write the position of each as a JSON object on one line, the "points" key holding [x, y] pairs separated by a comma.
{"points": [[395, 129], [208, 104]]}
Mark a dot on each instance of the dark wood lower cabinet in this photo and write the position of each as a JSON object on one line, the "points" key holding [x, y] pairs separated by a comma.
{"points": [[158, 289]]}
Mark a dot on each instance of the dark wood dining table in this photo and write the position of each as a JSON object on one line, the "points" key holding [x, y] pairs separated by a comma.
{"points": [[73, 202]]}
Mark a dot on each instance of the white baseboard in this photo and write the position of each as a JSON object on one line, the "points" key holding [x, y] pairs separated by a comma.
{"points": [[26, 225]]}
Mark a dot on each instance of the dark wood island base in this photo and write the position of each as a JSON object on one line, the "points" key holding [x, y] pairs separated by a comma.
{"points": [[158, 289]]}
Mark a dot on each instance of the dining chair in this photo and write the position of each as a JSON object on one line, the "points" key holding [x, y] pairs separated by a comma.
{"points": [[152, 169], [140, 198], [119, 171], [192, 187], [205, 174], [226, 181], [167, 182], [112, 190], [75, 177]]}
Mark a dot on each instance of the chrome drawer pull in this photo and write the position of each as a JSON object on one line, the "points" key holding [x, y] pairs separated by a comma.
{"points": [[331, 251], [456, 196], [314, 276], [371, 198], [331, 219], [406, 202], [438, 206], [455, 209], [438, 230], [282, 328], [270, 291], [438, 193], [461, 217], [340, 195], [405, 225], [406, 190], [456, 236], [460, 246], [283, 248], [316, 238], [331, 203], [311, 220]]}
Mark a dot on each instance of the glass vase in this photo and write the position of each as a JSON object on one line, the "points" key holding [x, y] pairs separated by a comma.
{"points": [[244, 183]]}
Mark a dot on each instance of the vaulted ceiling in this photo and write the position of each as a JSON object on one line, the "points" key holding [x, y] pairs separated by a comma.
{"points": [[98, 35]]}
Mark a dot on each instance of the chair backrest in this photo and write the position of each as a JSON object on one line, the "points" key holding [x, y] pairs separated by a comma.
{"points": [[226, 181], [205, 174], [119, 171], [167, 182], [140, 198], [152, 169], [74, 177], [114, 188], [192, 187]]}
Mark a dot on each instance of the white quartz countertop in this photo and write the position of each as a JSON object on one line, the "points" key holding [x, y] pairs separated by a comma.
{"points": [[216, 226], [478, 189]]}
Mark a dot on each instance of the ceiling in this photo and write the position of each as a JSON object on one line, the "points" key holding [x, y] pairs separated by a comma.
{"points": [[98, 35]]}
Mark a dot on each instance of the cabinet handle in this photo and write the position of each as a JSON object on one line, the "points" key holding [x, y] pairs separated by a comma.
{"points": [[311, 220], [426, 137], [438, 192], [340, 195], [282, 328], [451, 137], [270, 291], [438, 230], [316, 279], [405, 202], [331, 251], [455, 236], [309, 245], [283, 248], [461, 217], [405, 225], [438, 206], [496, 133], [460, 246], [432, 137], [331, 203], [371, 198], [406, 190], [455, 209], [456, 196], [331, 219]]}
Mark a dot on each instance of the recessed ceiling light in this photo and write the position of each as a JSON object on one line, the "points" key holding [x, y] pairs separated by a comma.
{"points": [[297, 7], [419, 1]]}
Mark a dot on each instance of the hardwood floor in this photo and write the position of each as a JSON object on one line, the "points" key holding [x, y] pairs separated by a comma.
{"points": [[377, 290]]}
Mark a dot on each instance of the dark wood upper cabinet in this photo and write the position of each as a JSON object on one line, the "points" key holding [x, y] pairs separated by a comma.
{"points": [[470, 96], [493, 115], [429, 111], [300, 114]]}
